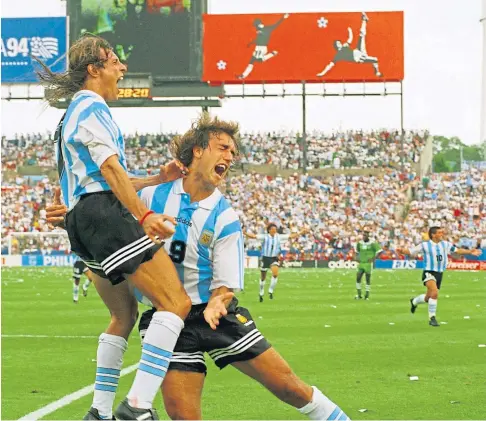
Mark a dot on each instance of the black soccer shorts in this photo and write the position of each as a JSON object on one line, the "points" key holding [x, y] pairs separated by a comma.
{"points": [[267, 262], [79, 268], [107, 237], [235, 339], [432, 275]]}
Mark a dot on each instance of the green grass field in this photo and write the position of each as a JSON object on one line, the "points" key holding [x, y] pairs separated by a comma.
{"points": [[360, 353]]}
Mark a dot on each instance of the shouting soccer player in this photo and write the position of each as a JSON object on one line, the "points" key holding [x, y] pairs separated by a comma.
{"points": [[270, 255], [111, 229], [367, 251], [345, 53], [207, 249], [435, 252], [261, 53]]}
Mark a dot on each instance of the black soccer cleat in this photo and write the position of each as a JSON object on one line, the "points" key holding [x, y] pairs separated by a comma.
{"points": [[358, 297], [85, 292], [271, 295], [127, 412], [93, 414], [413, 307], [433, 322], [261, 298]]}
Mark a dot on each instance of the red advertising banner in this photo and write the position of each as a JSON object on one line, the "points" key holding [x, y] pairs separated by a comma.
{"points": [[466, 265], [297, 47]]}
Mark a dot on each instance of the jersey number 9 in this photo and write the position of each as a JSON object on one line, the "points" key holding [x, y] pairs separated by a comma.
{"points": [[177, 251]]}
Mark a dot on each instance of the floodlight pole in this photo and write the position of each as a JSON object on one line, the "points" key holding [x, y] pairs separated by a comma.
{"points": [[402, 134], [304, 130], [482, 116]]}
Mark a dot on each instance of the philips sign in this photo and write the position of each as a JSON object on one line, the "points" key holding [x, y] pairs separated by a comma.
{"points": [[22, 39]]}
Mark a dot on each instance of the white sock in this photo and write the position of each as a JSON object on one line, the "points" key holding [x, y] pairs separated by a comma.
{"points": [[75, 292], [368, 287], [86, 284], [322, 408], [262, 288], [158, 344], [273, 284], [432, 307], [248, 70], [109, 361], [358, 286], [420, 299]]}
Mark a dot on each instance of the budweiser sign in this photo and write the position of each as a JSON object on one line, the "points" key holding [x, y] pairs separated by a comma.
{"points": [[466, 265]]}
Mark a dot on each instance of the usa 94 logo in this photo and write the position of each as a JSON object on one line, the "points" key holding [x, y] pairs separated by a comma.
{"points": [[44, 48]]}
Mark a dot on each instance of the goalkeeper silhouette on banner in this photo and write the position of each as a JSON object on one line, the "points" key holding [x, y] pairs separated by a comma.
{"points": [[261, 41], [358, 55]]}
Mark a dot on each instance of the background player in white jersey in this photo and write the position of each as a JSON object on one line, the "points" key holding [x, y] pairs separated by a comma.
{"points": [[270, 255], [111, 229], [79, 268], [207, 249], [435, 253]]}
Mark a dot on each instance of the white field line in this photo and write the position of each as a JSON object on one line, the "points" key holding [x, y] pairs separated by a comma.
{"points": [[66, 400]]}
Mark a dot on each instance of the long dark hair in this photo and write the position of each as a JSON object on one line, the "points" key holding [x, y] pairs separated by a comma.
{"points": [[85, 51]]}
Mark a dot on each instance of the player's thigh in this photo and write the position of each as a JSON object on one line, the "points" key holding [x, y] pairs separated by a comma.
{"points": [[157, 279], [274, 269], [272, 371], [182, 392], [119, 299], [432, 289]]}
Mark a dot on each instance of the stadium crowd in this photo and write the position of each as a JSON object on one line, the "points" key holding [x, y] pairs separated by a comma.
{"points": [[338, 150]]}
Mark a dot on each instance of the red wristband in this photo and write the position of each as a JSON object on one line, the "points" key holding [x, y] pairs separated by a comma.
{"points": [[150, 212]]}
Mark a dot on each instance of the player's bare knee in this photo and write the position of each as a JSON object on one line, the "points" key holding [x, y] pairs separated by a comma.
{"points": [[179, 304], [179, 409]]}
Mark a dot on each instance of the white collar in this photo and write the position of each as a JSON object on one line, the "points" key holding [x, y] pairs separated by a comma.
{"points": [[209, 203]]}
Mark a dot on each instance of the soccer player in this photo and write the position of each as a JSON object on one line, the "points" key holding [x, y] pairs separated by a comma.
{"points": [[271, 250], [345, 53], [367, 251], [435, 252], [261, 53], [207, 250], [78, 269], [111, 229]]}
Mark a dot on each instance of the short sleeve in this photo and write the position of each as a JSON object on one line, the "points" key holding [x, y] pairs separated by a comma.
{"points": [[228, 264]]}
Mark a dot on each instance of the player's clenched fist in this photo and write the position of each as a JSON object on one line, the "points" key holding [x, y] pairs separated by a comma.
{"points": [[55, 213], [159, 227]]}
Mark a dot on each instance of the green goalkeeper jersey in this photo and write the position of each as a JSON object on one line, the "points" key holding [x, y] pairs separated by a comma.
{"points": [[367, 251]]}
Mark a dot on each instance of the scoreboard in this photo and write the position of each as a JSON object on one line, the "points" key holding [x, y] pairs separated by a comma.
{"points": [[157, 37]]}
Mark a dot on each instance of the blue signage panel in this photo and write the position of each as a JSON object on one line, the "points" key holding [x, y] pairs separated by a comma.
{"points": [[24, 38]]}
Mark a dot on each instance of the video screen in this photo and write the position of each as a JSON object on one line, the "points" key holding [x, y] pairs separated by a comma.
{"points": [[150, 36]]}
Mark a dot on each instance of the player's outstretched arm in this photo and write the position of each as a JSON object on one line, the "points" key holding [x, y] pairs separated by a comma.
{"points": [[122, 188], [250, 235], [350, 37], [326, 69], [475, 252], [217, 306], [169, 172]]}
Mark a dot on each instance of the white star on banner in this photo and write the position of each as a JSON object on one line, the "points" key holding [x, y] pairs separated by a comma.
{"points": [[221, 65], [322, 22]]}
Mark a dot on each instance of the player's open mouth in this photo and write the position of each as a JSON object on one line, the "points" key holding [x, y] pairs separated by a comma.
{"points": [[120, 78], [220, 169]]}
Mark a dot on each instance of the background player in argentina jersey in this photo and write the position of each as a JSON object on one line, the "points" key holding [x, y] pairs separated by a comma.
{"points": [[270, 255], [78, 269], [367, 251], [435, 253], [207, 250]]}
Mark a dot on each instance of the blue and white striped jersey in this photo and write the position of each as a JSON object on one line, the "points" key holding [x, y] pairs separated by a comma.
{"points": [[435, 254], [207, 247], [271, 246], [90, 136]]}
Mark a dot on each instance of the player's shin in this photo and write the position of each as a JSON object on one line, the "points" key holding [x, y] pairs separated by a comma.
{"points": [[322, 408], [109, 361], [432, 307], [420, 299], [75, 289], [273, 284], [158, 344]]}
